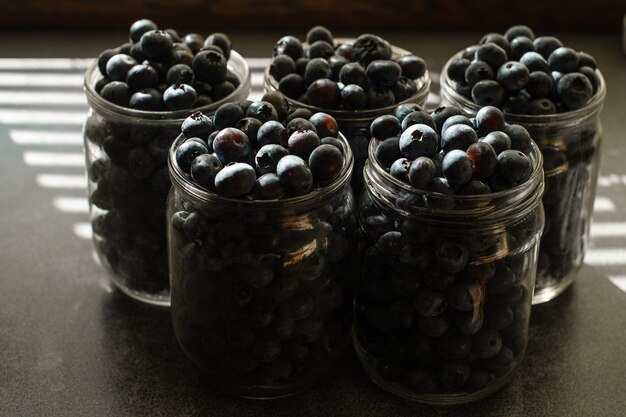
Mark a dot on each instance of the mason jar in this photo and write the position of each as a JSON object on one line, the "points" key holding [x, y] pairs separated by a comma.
{"points": [[355, 124], [126, 157], [260, 289], [570, 143], [443, 300]]}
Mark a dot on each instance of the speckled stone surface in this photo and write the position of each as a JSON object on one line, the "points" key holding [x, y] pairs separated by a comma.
{"points": [[72, 346]]}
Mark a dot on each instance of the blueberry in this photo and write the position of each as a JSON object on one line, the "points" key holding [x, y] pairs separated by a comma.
{"points": [[400, 169], [388, 151], [354, 73], [319, 33], [539, 84], [336, 62], [209, 66], [157, 45], [440, 185], [495, 38], [451, 257], [478, 71], [232, 145], [457, 69], [486, 343], [519, 30], [289, 45], [315, 69], [299, 123], [541, 106], [402, 110], [454, 375], [586, 60], [457, 167], [221, 41], [334, 142], [302, 142], [499, 141], [378, 97], [421, 172], [574, 90], [227, 115], [418, 140], [489, 119], [353, 97], [262, 110], [514, 166], [197, 125], [147, 99], [294, 175], [458, 136], [592, 76], [488, 93], [412, 66], [279, 101], [118, 66], [281, 66], [138, 28], [367, 48], [320, 49], [187, 152], [180, 74], [272, 132], [492, 54], [545, 45], [203, 170], [325, 125], [325, 163], [324, 93], [404, 89], [384, 127], [141, 76], [180, 97], [268, 156], [250, 126], [513, 75], [535, 62], [483, 158], [517, 103], [235, 180], [116, 92], [418, 117], [519, 46], [429, 303], [383, 73], [563, 60], [268, 187], [292, 85]]}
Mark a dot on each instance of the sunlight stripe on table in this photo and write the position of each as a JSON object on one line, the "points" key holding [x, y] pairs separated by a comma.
{"points": [[608, 229], [39, 79], [256, 79], [619, 281], [62, 181], [604, 257], [54, 159], [38, 137], [603, 205], [42, 117], [71, 204], [42, 98], [611, 180], [82, 230], [45, 63]]}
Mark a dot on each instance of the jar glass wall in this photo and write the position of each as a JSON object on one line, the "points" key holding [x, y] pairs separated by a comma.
{"points": [[260, 289], [126, 157], [570, 143], [444, 295]]}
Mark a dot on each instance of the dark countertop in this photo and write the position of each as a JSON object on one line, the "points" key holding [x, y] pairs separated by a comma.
{"points": [[73, 346]]}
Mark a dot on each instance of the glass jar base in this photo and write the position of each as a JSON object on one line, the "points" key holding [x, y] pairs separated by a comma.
{"points": [[444, 399], [161, 300], [546, 293]]}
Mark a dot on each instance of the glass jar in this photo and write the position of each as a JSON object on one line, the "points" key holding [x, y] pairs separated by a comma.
{"points": [[355, 124], [260, 289], [570, 143], [443, 300], [126, 152]]}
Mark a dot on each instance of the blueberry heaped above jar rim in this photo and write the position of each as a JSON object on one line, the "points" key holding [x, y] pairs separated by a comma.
{"points": [[524, 74], [161, 71], [340, 74], [244, 152]]}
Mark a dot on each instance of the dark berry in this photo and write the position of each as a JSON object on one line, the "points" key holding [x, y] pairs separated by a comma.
{"points": [[541, 106], [413, 67], [187, 152], [574, 90], [180, 74], [180, 97], [203, 170], [492, 54], [483, 157], [324, 93], [458, 136], [545, 45], [147, 99], [235, 180], [302, 142], [388, 151], [586, 60], [499, 141], [221, 41], [454, 375], [353, 97], [272, 132], [400, 169], [227, 115], [519, 30], [367, 48], [534, 62], [422, 172], [354, 73], [514, 166], [292, 85], [563, 60], [209, 66], [281, 66], [457, 167], [456, 120], [378, 97], [194, 41], [319, 33], [486, 343], [268, 156], [478, 71], [325, 163], [336, 63], [539, 84], [116, 92], [320, 49], [402, 110], [489, 119], [418, 140], [488, 93], [496, 39], [299, 123], [138, 28], [418, 117], [383, 73], [519, 137], [197, 125], [232, 145], [325, 125], [250, 126], [592, 76], [513, 75], [441, 114], [117, 67], [289, 45], [294, 175], [457, 69], [157, 45], [268, 187], [315, 69]]}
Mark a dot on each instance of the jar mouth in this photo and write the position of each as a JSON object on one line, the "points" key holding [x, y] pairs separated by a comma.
{"points": [[203, 196], [481, 207], [594, 105], [423, 88], [236, 63]]}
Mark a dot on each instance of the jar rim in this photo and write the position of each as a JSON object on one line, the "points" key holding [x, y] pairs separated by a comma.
{"points": [[594, 105], [203, 196], [423, 88], [96, 101], [533, 186]]}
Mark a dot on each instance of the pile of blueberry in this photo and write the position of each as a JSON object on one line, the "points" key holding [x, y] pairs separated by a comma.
{"points": [[158, 70], [524, 74], [244, 151], [356, 75], [260, 296], [441, 308], [448, 153]]}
